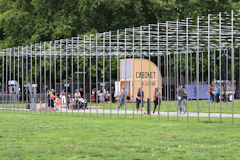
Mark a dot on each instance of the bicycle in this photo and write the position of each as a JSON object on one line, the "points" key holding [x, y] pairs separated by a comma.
{"points": [[120, 102]]}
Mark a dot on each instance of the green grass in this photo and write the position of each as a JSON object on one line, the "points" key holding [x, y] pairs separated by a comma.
{"points": [[171, 106], [41, 136]]}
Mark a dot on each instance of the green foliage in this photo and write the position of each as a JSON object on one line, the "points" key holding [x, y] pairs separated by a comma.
{"points": [[30, 21]]}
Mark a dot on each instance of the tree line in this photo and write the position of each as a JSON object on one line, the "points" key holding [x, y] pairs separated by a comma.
{"points": [[25, 22]]}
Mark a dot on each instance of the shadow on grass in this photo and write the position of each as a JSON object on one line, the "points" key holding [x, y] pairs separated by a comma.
{"points": [[213, 122]]}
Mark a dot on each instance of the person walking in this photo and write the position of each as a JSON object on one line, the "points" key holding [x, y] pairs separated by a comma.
{"points": [[157, 99], [182, 96], [140, 99]]}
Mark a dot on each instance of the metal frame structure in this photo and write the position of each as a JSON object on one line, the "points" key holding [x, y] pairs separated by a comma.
{"points": [[177, 47]]}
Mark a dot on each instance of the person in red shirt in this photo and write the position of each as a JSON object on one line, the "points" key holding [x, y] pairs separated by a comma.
{"points": [[58, 103], [51, 98], [211, 93]]}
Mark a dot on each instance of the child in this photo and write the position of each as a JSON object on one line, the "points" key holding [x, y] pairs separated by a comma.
{"points": [[58, 103]]}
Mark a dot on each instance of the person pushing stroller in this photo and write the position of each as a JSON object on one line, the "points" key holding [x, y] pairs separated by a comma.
{"points": [[182, 96]]}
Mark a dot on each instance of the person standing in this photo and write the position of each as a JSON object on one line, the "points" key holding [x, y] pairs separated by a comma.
{"points": [[51, 98], [157, 99], [112, 95], [82, 92], [230, 97], [77, 95], [218, 91], [68, 100], [101, 95], [108, 96], [94, 95], [211, 93], [140, 99], [63, 96], [182, 96], [58, 102], [48, 95]]}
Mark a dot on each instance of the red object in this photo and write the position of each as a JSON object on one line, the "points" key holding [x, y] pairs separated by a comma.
{"points": [[51, 97], [59, 102], [93, 99], [210, 89]]}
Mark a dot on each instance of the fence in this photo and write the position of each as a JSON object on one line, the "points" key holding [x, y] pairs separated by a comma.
{"points": [[202, 54]]}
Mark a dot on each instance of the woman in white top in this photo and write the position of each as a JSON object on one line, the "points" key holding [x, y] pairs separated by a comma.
{"points": [[77, 95], [63, 96], [101, 94]]}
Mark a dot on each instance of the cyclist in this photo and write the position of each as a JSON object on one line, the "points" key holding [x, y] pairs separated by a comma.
{"points": [[122, 96]]}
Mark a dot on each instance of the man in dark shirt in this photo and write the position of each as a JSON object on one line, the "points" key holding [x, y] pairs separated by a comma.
{"points": [[112, 95], [182, 96], [82, 92], [140, 99]]}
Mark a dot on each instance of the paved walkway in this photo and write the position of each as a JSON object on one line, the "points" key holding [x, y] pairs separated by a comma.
{"points": [[130, 112], [190, 114]]}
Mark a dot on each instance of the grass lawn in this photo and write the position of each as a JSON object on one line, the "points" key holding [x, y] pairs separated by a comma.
{"points": [[43, 136], [171, 106]]}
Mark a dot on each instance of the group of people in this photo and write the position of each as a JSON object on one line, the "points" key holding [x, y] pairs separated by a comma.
{"points": [[77, 101], [140, 98], [182, 97], [218, 96], [102, 95], [181, 92], [56, 101]]}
